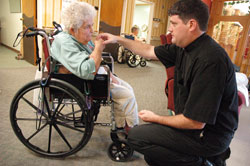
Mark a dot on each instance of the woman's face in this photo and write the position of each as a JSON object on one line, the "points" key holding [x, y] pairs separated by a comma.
{"points": [[84, 33]]}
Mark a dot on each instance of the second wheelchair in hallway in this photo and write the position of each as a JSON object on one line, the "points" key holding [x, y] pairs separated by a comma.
{"points": [[126, 56]]}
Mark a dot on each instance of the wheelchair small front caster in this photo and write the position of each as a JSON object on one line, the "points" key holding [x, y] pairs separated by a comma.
{"points": [[120, 151], [143, 63]]}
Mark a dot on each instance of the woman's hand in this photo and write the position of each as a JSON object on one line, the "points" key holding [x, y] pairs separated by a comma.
{"points": [[97, 53], [99, 44]]}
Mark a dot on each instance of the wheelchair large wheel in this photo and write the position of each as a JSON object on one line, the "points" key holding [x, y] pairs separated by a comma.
{"points": [[48, 125], [132, 60], [120, 151], [120, 55]]}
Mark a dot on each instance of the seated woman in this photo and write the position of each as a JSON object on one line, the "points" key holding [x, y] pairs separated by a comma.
{"points": [[71, 49]]}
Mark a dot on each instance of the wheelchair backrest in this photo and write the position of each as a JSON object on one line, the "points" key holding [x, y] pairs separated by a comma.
{"points": [[107, 58], [98, 88]]}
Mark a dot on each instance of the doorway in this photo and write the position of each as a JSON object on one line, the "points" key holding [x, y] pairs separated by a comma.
{"points": [[143, 17]]}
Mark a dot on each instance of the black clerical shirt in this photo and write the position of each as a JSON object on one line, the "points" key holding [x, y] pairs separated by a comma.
{"points": [[204, 86]]}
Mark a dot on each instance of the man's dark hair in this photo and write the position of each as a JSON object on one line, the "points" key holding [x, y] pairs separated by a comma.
{"points": [[191, 9]]}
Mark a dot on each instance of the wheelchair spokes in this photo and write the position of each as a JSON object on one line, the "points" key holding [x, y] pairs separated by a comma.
{"points": [[61, 125]]}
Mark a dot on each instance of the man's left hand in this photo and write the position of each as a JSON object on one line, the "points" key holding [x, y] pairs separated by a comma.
{"points": [[148, 116]]}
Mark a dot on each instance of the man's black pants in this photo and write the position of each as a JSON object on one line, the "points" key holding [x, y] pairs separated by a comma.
{"points": [[163, 145]]}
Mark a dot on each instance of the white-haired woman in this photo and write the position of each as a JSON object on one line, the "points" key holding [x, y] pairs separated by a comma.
{"points": [[70, 48]]}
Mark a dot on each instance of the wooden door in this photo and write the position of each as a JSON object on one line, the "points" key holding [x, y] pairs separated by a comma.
{"points": [[29, 20], [110, 21], [111, 16]]}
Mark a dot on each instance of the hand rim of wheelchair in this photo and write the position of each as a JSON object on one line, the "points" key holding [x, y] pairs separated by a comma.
{"points": [[57, 121], [120, 151]]}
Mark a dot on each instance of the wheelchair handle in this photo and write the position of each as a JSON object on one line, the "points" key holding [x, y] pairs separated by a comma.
{"points": [[56, 25], [31, 34], [58, 28]]}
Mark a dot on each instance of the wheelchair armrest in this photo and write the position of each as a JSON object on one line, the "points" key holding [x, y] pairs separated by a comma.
{"points": [[99, 88], [108, 60]]}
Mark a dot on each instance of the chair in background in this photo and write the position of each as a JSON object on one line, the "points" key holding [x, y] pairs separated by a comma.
{"points": [[166, 38], [163, 39], [169, 85]]}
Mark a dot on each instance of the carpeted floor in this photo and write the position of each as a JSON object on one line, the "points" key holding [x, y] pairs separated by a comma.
{"points": [[148, 84]]}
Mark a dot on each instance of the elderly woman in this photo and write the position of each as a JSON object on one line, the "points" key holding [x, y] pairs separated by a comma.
{"points": [[71, 49]]}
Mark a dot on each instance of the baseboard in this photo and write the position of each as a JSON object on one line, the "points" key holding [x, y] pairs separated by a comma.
{"points": [[10, 48]]}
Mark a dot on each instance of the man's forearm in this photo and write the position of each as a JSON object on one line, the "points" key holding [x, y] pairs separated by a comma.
{"points": [[179, 121], [137, 47]]}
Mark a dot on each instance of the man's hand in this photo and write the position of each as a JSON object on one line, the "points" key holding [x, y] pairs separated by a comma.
{"points": [[148, 116], [108, 38]]}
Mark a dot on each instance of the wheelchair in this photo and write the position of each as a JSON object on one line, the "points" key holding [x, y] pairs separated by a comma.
{"points": [[124, 55], [61, 121]]}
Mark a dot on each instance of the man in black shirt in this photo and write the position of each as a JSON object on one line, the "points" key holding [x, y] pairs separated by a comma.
{"points": [[205, 93]]}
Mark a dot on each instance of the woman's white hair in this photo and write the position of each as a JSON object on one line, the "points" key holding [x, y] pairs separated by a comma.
{"points": [[74, 15]]}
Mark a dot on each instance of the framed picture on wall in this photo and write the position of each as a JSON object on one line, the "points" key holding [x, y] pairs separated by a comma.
{"points": [[15, 6]]}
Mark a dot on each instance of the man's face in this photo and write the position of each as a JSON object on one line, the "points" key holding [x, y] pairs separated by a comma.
{"points": [[84, 33], [179, 31]]}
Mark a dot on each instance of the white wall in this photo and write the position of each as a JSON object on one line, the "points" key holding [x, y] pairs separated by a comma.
{"points": [[11, 24]]}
